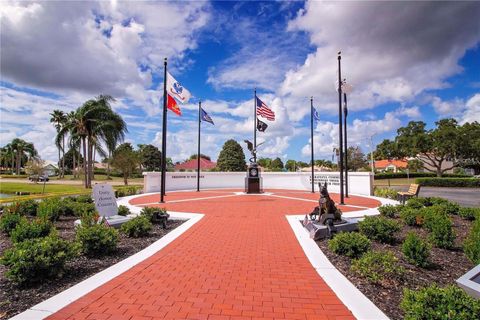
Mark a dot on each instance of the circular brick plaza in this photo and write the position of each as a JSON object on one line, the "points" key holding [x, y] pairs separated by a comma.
{"points": [[240, 261]]}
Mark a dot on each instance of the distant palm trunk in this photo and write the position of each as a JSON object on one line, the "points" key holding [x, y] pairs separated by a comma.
{"points": [[73, 165], [108, 164], [93, 164], [63, 158], [85, 162]]}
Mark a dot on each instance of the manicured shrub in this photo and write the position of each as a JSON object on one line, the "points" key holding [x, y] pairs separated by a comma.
{"points": [[123, 210], [84, 198], [379, 228], [50, 209], [471, 245], [153, 213], [137, 227], [449, 182], [97, 239], [385, 193], [435, 303], [350, 244], [469, 213], [377, 266], [78, 208], [389, 210], [416, 250], [442, 234], [450, 208], [416, 203], [9, 220], [31, 230], [24, 208], [436, 201], [34, 260], [412, 217], [126, 191], [395, 175]]}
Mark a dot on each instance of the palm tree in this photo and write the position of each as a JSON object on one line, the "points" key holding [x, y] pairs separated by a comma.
{"points": [[59, 119], [7, 157], [23, 149], [92, 124]]}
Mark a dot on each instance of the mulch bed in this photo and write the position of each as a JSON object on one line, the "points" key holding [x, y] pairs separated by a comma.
{"points": [[14, 299], [446, 266]]}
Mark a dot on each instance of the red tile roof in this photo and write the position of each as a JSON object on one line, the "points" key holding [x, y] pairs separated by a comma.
{"points": [[380, 164], [192, 165]]}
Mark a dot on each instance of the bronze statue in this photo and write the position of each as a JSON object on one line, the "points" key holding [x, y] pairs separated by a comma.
{"points": [[252, 149], [326, 213]]}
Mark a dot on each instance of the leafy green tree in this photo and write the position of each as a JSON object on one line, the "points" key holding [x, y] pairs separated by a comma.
{"points": [[355, 159], [264, 162], [202, 156], [151, 157], [70, 158], [387, 149], [126, 160], [324, 163], [276, 165], [414, 165], [302, 164], [432, 147], [469, 152], [231, 158], [290, 165]]}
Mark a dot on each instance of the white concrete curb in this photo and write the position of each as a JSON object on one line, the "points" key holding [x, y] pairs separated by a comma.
{"points": [[361, 307], [57, 302]]}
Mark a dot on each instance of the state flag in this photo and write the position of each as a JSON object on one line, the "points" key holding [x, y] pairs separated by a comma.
{"points": [[173, 106], [261, 126], [264, 111], [205, 117], [316, 116], [176, 90]]}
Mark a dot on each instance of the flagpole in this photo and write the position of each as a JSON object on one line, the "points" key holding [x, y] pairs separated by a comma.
{"points": [[198, 153], [345, 142], [255, 125], [164, 132], [340, 126], [311, 143]]}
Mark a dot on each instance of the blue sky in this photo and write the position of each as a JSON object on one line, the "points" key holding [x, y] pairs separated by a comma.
{"points": [[405, 60]]}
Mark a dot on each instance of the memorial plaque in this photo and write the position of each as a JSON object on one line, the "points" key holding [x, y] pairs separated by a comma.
{"points": [[105, 201]]}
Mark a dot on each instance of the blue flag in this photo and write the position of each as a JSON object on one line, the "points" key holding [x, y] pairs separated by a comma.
{"points": [[315, 115], [205, 117]]}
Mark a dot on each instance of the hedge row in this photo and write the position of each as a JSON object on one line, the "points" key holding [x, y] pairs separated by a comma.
{"points": [[394, 175], [449, 182]]}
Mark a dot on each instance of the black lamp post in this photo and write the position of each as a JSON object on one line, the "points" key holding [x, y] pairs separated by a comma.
{"points": [[340, 129]]}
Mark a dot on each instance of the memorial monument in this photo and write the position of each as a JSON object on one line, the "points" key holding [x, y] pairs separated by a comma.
{"points": [[253, 181]]}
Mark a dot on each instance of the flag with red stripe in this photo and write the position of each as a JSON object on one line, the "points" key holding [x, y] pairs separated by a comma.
{"points": [[173, 105], [264, 111]]}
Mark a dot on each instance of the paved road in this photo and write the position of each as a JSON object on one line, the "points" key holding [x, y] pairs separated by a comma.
{"points": [[467, 197]]}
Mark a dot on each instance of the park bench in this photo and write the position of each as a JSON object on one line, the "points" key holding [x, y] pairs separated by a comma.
{"points": [[413, 191]]}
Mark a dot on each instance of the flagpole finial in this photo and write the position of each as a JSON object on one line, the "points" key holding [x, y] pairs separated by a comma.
{"points": [[339, 55]]}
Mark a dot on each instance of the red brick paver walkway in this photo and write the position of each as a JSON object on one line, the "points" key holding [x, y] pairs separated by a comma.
{"points": [[241, 261]]}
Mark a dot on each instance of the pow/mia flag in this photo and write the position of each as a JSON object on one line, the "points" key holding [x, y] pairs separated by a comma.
{"points": [[261, 126]]}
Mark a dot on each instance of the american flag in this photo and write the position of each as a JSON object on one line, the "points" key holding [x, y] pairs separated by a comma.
{"points": [[264, 111]]}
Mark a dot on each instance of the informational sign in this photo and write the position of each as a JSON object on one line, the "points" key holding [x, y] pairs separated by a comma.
{"points": [[105, 201]]}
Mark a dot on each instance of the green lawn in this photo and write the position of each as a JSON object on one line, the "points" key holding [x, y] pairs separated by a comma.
{"points": [[393, 182], [12, 187]]}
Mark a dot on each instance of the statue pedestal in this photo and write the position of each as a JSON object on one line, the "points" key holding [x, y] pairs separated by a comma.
{"points": [[253, 181]]}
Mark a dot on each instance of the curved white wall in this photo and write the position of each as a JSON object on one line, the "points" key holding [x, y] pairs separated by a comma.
{"points": [[359, 182]]}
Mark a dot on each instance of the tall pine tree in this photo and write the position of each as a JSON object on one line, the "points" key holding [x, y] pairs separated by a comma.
{"points": [[231, 157]]}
